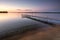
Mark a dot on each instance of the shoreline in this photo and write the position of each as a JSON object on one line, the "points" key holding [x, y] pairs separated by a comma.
{"points": [[38, 34]]}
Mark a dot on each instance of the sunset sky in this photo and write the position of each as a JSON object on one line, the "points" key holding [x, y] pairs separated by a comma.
{"points": [[30, 5]]}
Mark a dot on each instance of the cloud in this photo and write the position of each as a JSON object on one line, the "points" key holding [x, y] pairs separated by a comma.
{"points": [[28, 10]]}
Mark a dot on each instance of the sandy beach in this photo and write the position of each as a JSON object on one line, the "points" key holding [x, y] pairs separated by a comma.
{"points": [[51, 33]]}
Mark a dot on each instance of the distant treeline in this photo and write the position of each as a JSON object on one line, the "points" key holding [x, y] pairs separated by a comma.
{"points": [[36, 12], [3, 11]]}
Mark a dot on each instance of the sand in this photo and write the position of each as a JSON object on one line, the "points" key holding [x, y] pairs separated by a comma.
{"points": [[51, 33]]}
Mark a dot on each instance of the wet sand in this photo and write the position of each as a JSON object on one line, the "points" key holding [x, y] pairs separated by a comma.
{"points": [[51, 33]]}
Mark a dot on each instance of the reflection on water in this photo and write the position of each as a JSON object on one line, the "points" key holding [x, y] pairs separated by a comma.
{"points": [[8, 16], [47, 15]]}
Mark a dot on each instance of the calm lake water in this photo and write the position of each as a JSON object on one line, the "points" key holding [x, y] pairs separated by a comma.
{"points": [[13, 21], [10, 16]]}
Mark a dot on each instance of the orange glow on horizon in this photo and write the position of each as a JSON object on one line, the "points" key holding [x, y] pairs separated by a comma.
{"points": [[11, 8], [7, 8]]}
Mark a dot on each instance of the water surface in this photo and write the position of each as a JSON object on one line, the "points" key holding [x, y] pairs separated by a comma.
{"points": [[11, 16]]}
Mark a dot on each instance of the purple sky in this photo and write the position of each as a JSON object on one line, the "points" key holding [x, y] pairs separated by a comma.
{"points": [[35, 5]]}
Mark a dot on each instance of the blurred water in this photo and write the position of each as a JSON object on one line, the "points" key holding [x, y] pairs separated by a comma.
{"points": [[46, 15], [11, 16], [49, 17], [13, 21]]}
